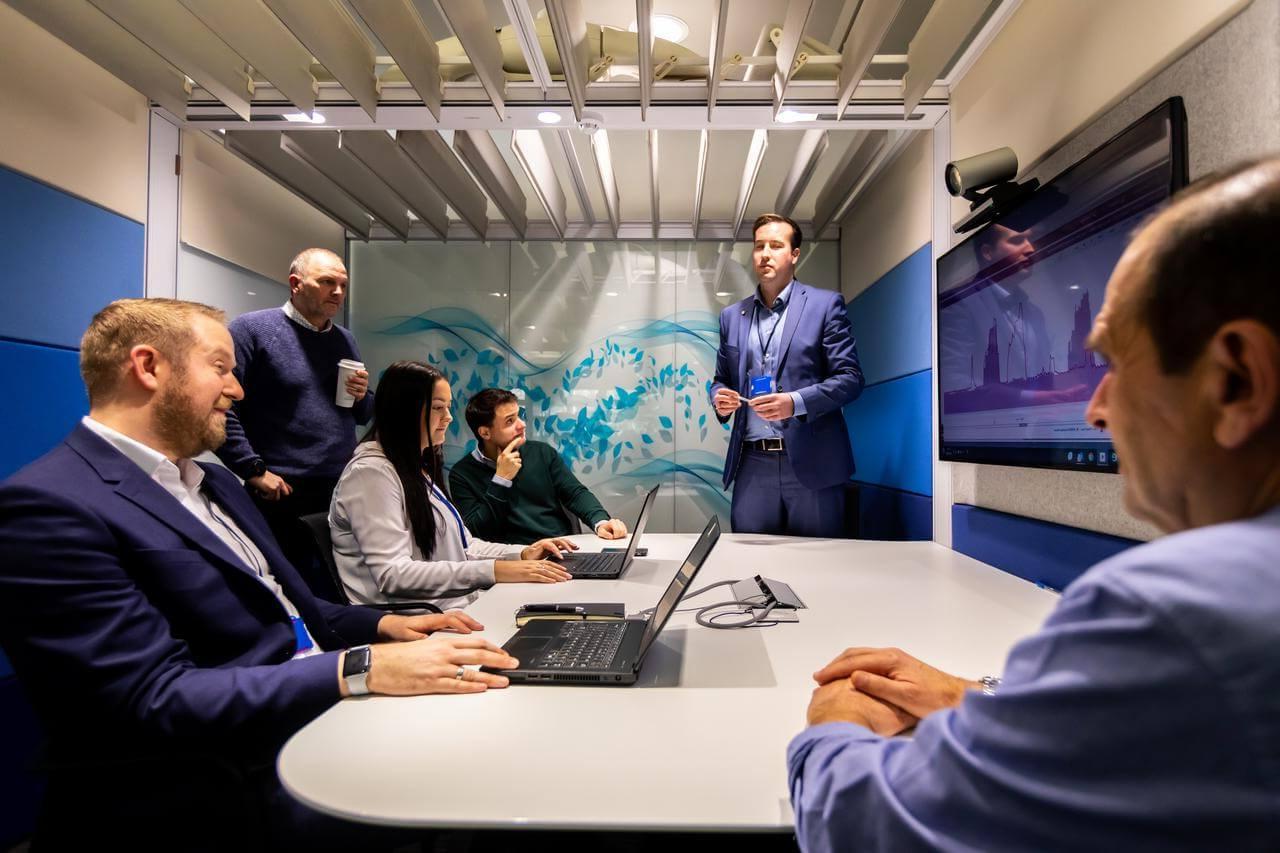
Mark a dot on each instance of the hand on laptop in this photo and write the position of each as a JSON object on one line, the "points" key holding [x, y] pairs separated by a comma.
{"points": [[529, 571], [552, 548], [432, 665], [405, 628]]}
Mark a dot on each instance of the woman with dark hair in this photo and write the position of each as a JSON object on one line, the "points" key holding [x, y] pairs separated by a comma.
{"points": [[396, 534]]}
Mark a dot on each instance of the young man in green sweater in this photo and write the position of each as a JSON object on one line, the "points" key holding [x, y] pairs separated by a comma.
{"points": [[512, 490]]}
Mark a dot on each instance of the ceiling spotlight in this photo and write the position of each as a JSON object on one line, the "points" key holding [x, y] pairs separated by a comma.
{"points": [[666, 27], [611, 293], [549, 117], [723, 293], [791, 116], [315, 118]]}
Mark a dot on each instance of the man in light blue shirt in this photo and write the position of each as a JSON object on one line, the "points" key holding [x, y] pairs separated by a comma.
{"points": [[1146, 713]]}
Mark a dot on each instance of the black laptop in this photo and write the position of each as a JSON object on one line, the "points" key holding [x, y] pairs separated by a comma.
{"points": [[556, 652], [610, 565]]}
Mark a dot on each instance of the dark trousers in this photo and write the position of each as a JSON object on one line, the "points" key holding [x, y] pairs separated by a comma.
{"points": [[767, 498], [310, 495]]}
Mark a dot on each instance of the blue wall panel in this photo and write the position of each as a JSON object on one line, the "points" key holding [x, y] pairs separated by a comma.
{"points": [[891, 429], [1038, 551], [48, 399], [893, 319], [893, 514], [63, 260]]}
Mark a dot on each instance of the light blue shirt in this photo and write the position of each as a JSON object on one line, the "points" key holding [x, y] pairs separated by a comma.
{"points": [[764, 348], [1144, 715]]}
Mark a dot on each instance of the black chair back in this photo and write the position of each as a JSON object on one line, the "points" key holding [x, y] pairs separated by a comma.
{"points": [[318, 524]]}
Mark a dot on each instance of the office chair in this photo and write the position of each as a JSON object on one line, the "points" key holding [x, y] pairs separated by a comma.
{"points": [[318, 524]]}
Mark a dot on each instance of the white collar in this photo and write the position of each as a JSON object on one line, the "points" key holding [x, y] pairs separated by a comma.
{"points": [[152, 462], [295, 315]]}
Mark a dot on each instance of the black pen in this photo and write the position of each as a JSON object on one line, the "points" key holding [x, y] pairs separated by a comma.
{"points": [[553, 608]]}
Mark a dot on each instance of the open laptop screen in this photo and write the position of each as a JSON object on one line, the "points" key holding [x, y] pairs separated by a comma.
{"points": [[675, 590], [640, 523]]}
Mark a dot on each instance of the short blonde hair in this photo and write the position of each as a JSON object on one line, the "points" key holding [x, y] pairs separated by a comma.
{"points": [[165, 324]]}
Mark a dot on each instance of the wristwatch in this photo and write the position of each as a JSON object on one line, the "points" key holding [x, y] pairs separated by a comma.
{"points": [[257, 468], [355, 669], [990, 684]]}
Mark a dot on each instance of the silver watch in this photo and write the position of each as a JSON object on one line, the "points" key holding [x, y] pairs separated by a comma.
{"points": [[990, 684], [355, 669]]}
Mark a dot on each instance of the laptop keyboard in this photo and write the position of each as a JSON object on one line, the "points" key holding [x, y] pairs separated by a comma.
{"points": [[591, 564], [585, 645]]}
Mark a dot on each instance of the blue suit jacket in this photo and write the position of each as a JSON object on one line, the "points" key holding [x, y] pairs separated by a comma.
{"points": [[819, 359], [130, 623]]}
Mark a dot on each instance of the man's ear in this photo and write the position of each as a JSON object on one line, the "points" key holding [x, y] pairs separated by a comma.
{"points": [[144, 366], [483, 433], [1244, 358], [294, 281]]}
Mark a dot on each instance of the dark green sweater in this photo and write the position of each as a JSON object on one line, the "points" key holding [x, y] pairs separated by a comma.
{"points": [[530, 508]]}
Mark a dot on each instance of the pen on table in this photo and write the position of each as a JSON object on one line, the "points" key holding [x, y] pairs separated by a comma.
{"points": [[554, 608]]}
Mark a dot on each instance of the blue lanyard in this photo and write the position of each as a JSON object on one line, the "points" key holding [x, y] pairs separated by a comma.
{"points": [[462, 528], [765, 360]]}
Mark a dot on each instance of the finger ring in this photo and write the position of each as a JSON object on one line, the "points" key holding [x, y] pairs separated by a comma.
{"points": [[462, 671]]}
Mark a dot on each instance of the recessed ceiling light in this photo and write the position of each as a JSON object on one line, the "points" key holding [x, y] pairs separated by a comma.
{"points": [[723, 293], [251, 293], [791, 116], [666, 27], [316, 118], [1074, 287], [531, 327], [549, 117], [611, 293]]}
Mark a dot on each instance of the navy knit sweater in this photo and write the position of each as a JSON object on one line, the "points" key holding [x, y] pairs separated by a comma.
{"points": [[288, 417]]}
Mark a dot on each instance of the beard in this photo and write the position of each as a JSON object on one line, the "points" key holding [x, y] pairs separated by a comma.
{"points": [[179, 423]]}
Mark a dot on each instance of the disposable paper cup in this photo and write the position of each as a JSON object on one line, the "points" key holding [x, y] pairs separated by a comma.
{"points": [[346, 368]]}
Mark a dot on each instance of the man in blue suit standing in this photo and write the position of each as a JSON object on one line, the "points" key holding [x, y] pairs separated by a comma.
{"points": [[157, 628], [787, 364]]}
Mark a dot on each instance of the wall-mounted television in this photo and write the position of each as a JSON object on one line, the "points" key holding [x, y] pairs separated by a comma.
{"points": [[1018, 297]]}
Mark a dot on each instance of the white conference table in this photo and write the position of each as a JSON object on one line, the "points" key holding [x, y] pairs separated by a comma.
{"points": [[699, 744]]}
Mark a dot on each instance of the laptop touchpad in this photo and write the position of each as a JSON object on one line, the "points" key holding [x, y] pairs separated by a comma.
{"points": [[525, 649]]}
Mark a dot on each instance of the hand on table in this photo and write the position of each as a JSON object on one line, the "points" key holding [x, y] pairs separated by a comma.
{"points": [[894, 676]]}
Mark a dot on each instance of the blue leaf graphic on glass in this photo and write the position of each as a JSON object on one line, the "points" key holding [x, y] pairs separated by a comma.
{"points": [[645, 437], [450, 355], [665, 421]]}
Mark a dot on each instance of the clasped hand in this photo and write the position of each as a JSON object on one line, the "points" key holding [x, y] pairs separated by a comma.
{"points": [[886, 690]]}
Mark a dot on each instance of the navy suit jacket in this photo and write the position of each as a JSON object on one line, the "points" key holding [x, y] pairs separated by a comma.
{"points": [[130, 623], [818, 358]]}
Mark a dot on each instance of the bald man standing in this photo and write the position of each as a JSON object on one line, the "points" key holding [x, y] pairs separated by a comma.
{"points": [[288, 438]]}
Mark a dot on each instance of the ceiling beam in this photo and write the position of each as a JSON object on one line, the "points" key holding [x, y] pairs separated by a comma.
{"points": [[704, 141], [788, 48], [813, 144], [569, 29], [860, 166], [482, 156], [261, 149], [653, 180], [608, 179], [533, 157], [470, 23], [869, 29], [180, 37], [110, 45], [577, 175], [266, 44], [441, 167], [944, 29], [750, 171], [382, 156], [526, 33], [644, 53], [397, 25], [629, 231], [319, 149], [326, 30], [719, 24]]}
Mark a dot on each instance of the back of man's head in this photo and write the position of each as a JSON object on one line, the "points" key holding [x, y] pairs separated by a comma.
{"points": [[165, 324], [482, 406], [1212, 259]]}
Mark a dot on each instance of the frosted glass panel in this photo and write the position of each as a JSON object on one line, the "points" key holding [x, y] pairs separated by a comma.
{"points": [[612, 346]]}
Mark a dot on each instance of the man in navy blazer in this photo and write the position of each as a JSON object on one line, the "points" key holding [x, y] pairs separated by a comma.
{"points": [[787, 364], [147, 610]]}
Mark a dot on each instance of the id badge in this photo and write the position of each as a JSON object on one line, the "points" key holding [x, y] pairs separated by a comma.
{"points": [[762, 385]]}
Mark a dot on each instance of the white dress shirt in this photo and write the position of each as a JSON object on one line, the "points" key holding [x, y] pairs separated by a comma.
{"points": [[183, 481]]}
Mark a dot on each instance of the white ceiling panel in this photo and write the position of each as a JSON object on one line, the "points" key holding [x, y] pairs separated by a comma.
{"points": [[725, 162], [679, 175]]}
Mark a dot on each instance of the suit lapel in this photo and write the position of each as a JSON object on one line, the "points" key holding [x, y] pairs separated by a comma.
{"points": [[791, 321], [745, 314], [132, 484]]}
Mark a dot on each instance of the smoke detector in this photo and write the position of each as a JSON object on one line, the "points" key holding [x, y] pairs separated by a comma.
{"points": [[590, 123]]}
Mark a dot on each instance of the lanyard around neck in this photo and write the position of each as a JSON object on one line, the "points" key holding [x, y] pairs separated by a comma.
{"points": [[462, 529]]}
